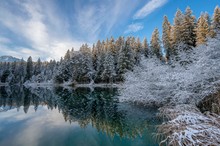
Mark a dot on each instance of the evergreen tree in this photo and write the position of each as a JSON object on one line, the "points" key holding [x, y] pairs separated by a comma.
{"points": [[67, 55], [21, 70], [188, 29], [109, 68], [166, 37], [126, 58], [138, 51], [118, 44], [202, 30], [176, 31], [215, 25], [145, 47], [29, 68], [86, 65], [155, 43], [38, 67]]}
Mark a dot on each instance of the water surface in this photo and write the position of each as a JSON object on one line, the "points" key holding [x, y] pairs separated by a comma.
{"points": [[67, 117]]}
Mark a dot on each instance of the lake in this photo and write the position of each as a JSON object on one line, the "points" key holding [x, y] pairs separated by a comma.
{"points": [[60, 116]]}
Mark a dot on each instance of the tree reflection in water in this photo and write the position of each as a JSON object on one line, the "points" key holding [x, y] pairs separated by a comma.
{"points": [[99, 107]]}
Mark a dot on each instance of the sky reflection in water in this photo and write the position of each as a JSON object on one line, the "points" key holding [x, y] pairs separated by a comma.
{"points": [[82, 117]]}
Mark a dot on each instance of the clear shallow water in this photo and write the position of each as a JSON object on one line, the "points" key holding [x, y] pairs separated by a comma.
{"points": [[67, 117]]}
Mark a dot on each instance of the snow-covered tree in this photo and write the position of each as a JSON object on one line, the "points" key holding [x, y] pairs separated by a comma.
{"points": [[67, 55], [37, 69], [202, 30], [166, 36], [215, 24], [108, 73], [155, 43], [29, 68], [188, 29], [145, 47], [22, 70], [177, 30]]}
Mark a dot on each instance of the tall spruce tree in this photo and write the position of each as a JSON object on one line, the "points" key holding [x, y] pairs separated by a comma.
{"points": [[155, 43], [21, 70], [166, 36], [37, 67], [126, 58], [177, 30], [188, 29], [215, 24], [202, 30], [145, 47], [108, 73], [29, 68], [67, 55]]}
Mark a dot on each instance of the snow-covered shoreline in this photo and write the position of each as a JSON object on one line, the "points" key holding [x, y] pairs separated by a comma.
{"points": [[75, 86], [188, 126]]}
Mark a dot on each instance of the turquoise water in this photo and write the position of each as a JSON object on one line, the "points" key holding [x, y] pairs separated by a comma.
{"points": [[73, 117]]}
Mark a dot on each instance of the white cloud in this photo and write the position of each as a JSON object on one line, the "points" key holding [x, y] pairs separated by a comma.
{"points": [[151, 6], [94, 20], [134, 28], [47, 33], [35, 31]]}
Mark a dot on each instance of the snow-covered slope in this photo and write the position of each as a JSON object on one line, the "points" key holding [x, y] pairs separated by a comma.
{"points": [[154, 83], [9, 59]]}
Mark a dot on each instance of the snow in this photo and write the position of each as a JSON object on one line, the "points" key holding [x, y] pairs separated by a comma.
{"points": [[69, 84], [154, 83], [9, 59], [188, 126]]}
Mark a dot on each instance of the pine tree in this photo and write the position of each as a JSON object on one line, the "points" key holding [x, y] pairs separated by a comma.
{"points": [[202, 30], [67, 55], [145, 47], [126, 58], [215, 25], [155, 43], [188, 29], [166, 37], [176, 31], [86, 65], [139, 51], [118, 44], [109, 68], [29, 68], [38, 67]]}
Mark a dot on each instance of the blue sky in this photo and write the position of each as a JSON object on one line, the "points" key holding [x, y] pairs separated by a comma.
{"points": [[47, 28]]}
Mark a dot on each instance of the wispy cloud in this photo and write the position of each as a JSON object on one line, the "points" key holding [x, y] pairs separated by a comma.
{"points": [[98, 19], [151, 6], [35, 26], [44, 29], [134, 28]]}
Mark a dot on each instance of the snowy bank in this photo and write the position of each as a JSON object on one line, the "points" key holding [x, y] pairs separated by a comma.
{"points": [[188, 126], [69, 84]]}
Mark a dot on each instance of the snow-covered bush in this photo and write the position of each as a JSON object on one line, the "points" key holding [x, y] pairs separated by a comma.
{"points": [[157, 84]]}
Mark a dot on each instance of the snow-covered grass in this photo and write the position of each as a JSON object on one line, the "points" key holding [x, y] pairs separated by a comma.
{"points": [[188, 126], [70, 84], [153, 83]]}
